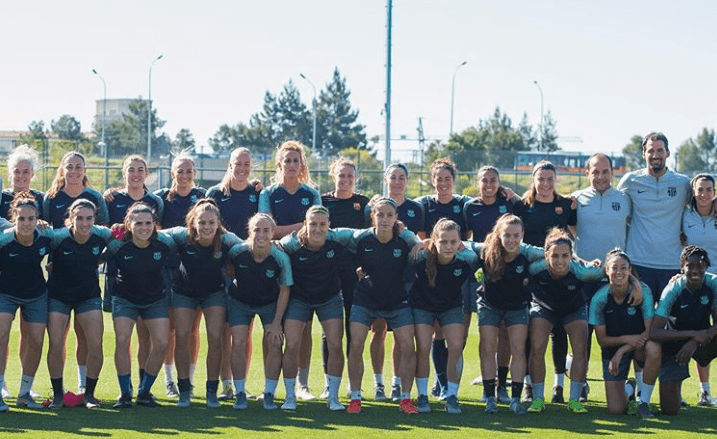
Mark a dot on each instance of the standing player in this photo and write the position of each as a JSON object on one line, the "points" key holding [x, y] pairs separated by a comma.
{"points": [[623, 331], [688, 304], [261, 287], [73, 284], [287, 200]]}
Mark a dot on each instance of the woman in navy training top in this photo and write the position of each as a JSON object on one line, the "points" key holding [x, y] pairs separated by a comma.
{"points": [[200, 284], [21, 164], [347, 208], [437, 296], [238, 200], [287, 200], [382, 253], [22, 285], [542, 209], [71, 183], [73, 284], [443, 204], [315, 253], [140, 256], [262, 278], [178, 199]]}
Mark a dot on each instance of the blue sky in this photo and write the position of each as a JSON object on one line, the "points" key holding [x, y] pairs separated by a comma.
{"points": [[608, 69]]}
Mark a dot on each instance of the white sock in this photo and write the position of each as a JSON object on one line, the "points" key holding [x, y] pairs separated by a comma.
{"points": [[452, 389], [290, 384], [26, 385], [270, 386], [169, 373], [303, 376], [3, 384], [628, 389], [192, 368], [638, 378], [334, 385], [239, 386], [526, 380], [406, 395], [646, 392], [422, 386], [705, 387], [355, 394], [560, 379], [81, 376], [378, 379], [396, 381], [226, 383]]}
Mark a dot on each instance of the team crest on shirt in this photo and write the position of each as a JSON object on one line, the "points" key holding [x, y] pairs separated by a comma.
{"points": [[704, 300], [616, 206], [571, 287], [672, 191], [397, 253], [412, 214], [304, 201], [456, 209], [193, 198], [43, 250], [270, 273], [252, 198], [157, 256], [502, 209], [357, 206], [330, 254], [631, 311], [95, 251], [558, 210], [218, 255], [519, 269], [457, 272]]}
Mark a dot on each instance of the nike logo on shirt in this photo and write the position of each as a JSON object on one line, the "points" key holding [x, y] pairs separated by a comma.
{"points": [[14, 254], [128, 257], [66, 253], [278, 201], [59, 206], [303, 258]]}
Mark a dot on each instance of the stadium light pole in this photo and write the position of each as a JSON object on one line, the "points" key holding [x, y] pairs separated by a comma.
{"points": [[105, 150], [540, 125], [313, 111], [149, 111], [453, 92]]}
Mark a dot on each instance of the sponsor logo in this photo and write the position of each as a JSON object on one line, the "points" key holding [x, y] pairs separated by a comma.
{"points": [[190, 252], [616, 206], [66, 253], [641, 191], [243, 266], [476, 214], [672, 191], [224, 200], [59, 206], [157, 256], [12, 255], [120, 206], [270, 273], [368, 250], [456, 209], [685, 305], [397, 253], [128, 257], [330, 254], [431, 210], [304, 201], [412, 214], [95, 251], [303, 258], [280, 200]]}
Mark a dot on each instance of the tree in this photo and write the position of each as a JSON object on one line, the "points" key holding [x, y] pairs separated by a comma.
{"points": [[338, 121], [549, 135], [699, 154], [184, 140], [68, 128], [129, 135], [633, 154]]}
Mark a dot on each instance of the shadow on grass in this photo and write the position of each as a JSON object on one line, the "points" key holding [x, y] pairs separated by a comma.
{"points": [[375, 419]]}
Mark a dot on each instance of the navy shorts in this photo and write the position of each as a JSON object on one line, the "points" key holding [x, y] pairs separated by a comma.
{"points": [[488, 316], [671, 371], [155, 310], [33, 310], [536, 310], [450, 317], [395, 318], [56, 305], [241, 314], [624, 368], [303, 312], [214, 299]]}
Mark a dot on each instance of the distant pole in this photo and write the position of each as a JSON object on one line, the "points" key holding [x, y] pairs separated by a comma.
{"points": [[542, 118], [105, 149], [313, 111], [149, 112], [453, 93], [387, 109]]}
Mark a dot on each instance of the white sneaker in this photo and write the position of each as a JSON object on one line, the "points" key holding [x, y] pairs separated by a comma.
{"points": [[6, 393], [333, 404], [34, 394], [304, 394], [289, 403]]}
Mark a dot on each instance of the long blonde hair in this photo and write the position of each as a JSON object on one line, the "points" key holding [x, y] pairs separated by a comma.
{"points": [[59, 182], [494, 253], [443, 225], [201, 206], [178, 160], [226, 183], [285, 148]]}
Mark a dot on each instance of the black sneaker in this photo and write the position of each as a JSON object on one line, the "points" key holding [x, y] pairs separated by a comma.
{"points": [[558, 395], [58, 402], [147, 401], [124, 402], [584, 393], [90, 402]]}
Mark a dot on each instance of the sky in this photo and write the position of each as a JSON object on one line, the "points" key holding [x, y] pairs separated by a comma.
{"points": [[608, 69]]}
